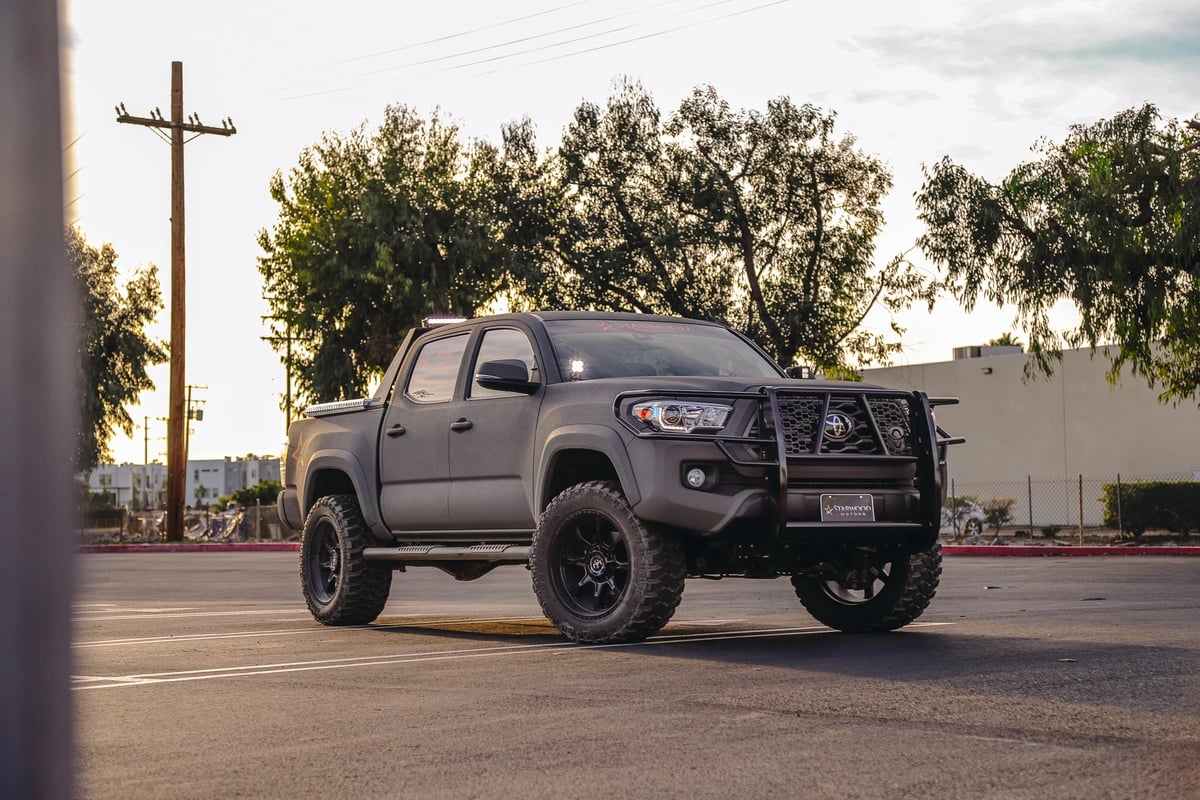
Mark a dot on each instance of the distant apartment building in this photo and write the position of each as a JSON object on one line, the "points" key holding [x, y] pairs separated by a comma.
{"points": [[144, 486]]}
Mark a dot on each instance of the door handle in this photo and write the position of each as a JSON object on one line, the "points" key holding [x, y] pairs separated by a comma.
{"points": [[461, 425], [396, 430]]}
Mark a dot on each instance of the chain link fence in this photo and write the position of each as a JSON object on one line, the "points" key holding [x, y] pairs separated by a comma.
{"points": [[1060, 507], [250, 524], [1046, 507]]}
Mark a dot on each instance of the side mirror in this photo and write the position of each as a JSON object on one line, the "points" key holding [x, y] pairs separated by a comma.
{"points": [[803, 373], [506, 375]]}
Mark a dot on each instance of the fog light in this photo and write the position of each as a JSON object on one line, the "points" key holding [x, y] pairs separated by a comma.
{"points": [[695, 477]]}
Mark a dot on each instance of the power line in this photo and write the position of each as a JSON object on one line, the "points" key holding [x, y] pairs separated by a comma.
{"points": [[460, 35], [74, 141], [509, 43], [477, 50], [651, 35], [435, 40]]}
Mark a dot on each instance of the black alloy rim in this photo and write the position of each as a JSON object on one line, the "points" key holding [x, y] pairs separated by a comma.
{"points": [[325, 563], [590, 565], [861, 589]]}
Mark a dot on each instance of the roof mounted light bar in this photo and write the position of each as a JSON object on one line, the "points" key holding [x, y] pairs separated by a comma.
{"points": [[441, 319]]}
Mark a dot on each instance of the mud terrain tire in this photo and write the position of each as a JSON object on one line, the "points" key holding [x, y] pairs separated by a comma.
{"points": [[600, 574], [898, 590], [340, 586]]}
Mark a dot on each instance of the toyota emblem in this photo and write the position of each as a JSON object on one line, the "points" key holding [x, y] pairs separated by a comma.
{"points": [[838, 427]]}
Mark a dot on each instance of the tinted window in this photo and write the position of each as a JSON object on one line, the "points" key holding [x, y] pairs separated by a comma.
{"points": [[433, 376], [499, 344], [606, 348]]}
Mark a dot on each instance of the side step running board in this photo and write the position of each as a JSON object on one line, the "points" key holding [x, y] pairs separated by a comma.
{"points": [[414, 553]]}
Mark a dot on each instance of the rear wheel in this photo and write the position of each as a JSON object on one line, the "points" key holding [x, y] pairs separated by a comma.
{"points": [[340, 586], [870, 589], [600, 574]]}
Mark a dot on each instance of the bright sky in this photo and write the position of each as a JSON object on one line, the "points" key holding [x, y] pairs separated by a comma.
{"points": [[977, 80]]}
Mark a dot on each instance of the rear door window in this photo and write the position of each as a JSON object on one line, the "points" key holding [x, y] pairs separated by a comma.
{"points": [[436, 370]]}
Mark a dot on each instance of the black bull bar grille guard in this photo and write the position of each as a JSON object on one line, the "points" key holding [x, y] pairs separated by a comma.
{"points": [[862, 425]]}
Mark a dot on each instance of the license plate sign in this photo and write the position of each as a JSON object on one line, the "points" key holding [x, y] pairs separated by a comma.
{"points": [[847, 508]]}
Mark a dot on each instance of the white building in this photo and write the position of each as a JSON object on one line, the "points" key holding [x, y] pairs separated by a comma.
{"points": [[144, 486], [134, 485], [1072, 430]]}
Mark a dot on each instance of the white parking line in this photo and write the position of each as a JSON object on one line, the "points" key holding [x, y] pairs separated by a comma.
{"points": [[174, 613], [200, 637], [114, 609], [195, 638], [251, 670]]}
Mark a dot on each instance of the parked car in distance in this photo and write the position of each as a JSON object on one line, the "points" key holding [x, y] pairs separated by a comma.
{"points": [[962, 517]]}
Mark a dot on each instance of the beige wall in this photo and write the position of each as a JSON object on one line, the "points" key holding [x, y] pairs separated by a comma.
{"points": [[1073, 423]]}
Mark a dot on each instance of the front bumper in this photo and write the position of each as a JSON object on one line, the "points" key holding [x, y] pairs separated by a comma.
{"points": [[288, 504], [774, 476]]}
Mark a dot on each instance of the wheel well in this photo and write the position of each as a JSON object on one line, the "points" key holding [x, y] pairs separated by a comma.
{"points": [[577, 466], [326, 482]]}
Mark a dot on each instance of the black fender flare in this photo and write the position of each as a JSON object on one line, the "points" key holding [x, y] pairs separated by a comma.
{"points": [[597, 438], [344, 461]]}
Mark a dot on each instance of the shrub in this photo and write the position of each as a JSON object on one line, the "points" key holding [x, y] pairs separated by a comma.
{"points": [[998, 512], [1153, 505], [264, 493]]}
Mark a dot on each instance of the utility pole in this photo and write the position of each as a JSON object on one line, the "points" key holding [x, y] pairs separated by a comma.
{"points": [[177, 423], [286, 340], [193, 413], [145, 463]]}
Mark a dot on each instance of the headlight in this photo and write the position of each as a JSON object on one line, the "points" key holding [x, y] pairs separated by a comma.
{"points": [[673, 416]]}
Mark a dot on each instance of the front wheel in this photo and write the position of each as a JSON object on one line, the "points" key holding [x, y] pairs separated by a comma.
{"points": [[340, 586], [600, 574], [868, 589]]}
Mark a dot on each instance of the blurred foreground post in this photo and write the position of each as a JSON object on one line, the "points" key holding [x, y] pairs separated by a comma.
{"points": [[38, 334]]}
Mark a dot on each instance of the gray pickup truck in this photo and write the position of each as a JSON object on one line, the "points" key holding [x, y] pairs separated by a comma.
{"points": [[615, 455]]}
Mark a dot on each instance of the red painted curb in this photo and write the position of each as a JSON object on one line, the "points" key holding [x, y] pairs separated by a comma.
{"points": [[1068, 550], [947, 549]]}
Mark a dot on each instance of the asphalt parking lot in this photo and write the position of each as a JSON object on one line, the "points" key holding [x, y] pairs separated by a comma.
{"points": [[202, 675]]}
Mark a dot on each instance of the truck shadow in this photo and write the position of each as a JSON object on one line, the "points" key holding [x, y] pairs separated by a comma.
{"points": [[923, 657]]}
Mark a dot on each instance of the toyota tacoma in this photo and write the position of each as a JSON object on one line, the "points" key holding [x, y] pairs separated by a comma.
{"points": [[614, 456]]}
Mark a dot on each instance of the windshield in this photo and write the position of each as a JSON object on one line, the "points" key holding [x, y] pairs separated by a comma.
{"points": [[608, 348]]}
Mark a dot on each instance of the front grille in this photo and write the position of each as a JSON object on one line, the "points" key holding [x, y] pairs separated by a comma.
{"points": [[856, 425], [894, 418]]}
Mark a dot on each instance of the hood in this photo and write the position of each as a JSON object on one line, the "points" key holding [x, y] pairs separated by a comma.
{"points": [[667, 383]]}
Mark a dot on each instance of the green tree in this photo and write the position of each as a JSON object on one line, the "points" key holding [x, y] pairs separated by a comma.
{"points": [[1006, 339], [115, 351], [1108, 219], [531, 208], [795, 209], [264, 492], [376, 231], [765, 221], [632, 240]]}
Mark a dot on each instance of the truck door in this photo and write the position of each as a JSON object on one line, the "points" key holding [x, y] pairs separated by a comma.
{"points": [[491, 447], [414, 466]]}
